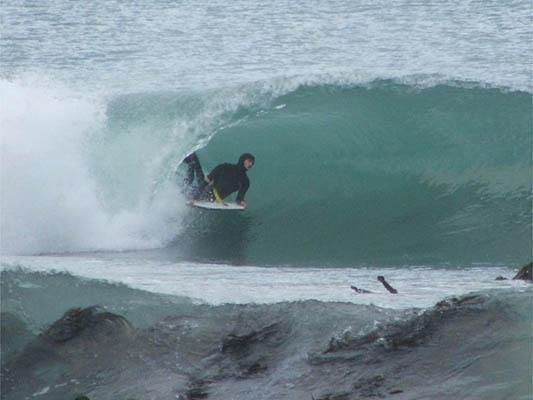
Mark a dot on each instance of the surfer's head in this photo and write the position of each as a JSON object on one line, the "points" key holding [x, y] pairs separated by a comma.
{"points": [[246, 160]]}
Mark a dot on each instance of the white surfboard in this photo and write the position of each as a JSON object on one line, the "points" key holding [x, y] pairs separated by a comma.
{"points": [[211, 205]]}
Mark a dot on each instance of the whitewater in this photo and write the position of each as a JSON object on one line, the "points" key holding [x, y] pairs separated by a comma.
{"points": [[391, 138]]}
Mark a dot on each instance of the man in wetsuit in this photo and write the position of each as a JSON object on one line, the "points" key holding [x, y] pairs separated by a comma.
{"points": [[224, 180]]}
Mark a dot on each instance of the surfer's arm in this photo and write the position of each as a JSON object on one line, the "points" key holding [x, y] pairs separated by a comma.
{"points": [[243, 188]]}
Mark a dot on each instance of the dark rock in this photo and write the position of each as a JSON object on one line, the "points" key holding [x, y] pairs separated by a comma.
{"points": [[334, 396], [401, 334], [396, 391], [239, 343], [455, 302], [93, 322], [79, 337], [253, 369], [525, 273], [370, 387], [197, 390], [375, 381]]}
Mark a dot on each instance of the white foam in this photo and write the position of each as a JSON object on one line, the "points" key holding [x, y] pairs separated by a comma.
{"points": [[49, 201], [41, 392], [218, 284]]}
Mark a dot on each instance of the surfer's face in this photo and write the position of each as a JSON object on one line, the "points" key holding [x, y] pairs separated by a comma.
{"points": [[248, 163]]}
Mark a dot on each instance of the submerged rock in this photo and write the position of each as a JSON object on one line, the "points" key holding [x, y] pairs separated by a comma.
{"points": [[81, 341], [14, 335], [402, 334]]}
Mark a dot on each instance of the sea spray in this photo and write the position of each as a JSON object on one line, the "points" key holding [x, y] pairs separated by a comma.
{"points": [[50, 200]]}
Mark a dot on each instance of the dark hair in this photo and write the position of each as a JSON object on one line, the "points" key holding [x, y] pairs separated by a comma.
{"points": [[246, 156]]}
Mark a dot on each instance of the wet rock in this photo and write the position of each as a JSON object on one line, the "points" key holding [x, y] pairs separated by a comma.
{"points": [[197, 390], [252, 369], [334, 396], [92, 322], [370, 387], [525, 273], [240, 343], [455, 302], [402, 334]]}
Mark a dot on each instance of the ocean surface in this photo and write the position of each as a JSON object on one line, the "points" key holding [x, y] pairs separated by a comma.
{"points": [[391, 138]]}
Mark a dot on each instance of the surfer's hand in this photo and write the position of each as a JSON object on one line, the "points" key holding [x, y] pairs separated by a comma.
{"points": [[242, 203]]}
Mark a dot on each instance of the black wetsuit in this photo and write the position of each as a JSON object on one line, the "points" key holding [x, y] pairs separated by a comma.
{"points": [[193, 168], [229, 178]]}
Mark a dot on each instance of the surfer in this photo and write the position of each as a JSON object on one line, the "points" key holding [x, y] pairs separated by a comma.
{"points": [[382, 280], [224, 180]]}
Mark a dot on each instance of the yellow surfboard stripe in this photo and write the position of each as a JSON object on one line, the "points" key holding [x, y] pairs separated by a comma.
{"points": [[218, 198]]}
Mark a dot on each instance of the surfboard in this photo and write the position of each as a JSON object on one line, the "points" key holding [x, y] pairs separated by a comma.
{"points": [[211, 205]]}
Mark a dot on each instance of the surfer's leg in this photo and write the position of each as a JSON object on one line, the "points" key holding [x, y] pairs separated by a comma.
{"points": [[189, 177], [189, 160], [194, 168]]}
